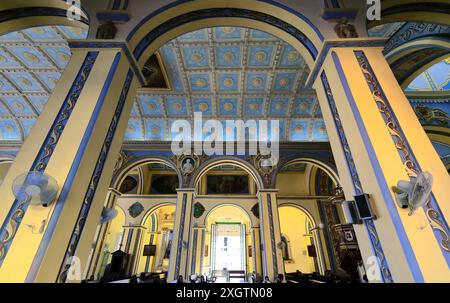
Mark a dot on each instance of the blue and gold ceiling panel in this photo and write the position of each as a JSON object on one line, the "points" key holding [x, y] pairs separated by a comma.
{"points": [[195, 36], [18, 106], [256, 82], [290, 58], [27, 124], [176, 106], [50, 79], [281, 130], [195, 57], [319, 131], [298, 130], [38, 101], [260, 35], [30, 56], [284, 82], [13, 37], [134, 130], [9, 130], [303, 106], [260, 56], [228, 33], [150, 105], [254, 106], [155, 130], [8, 61], [228, 82], [228, 106], [203, 105], [59, 54], [173, 68], [200, 83], [24, 81], [70, 32], [279, 106], [134, 110], [5, 85], [4, 110], [228, 56], [44, 33]]}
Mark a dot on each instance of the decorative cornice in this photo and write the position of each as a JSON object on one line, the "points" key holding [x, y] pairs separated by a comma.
{"points": [[341, 43], [99, 44]]}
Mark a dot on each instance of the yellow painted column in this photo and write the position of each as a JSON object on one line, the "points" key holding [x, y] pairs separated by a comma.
{"points": [[76, 140], [179, 252], [196, 248], [377, 141], [256, 250], [272, 257], [102, 234], [132, 245]]}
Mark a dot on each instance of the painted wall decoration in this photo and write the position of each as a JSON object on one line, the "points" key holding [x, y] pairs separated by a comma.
{"points": [[199, 209]]}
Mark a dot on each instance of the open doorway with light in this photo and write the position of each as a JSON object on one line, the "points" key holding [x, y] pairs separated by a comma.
{"points": [[228, 245]]}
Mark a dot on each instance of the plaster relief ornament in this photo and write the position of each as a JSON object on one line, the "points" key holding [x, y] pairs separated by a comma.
{"points": [[345, 30], [187, 165]]}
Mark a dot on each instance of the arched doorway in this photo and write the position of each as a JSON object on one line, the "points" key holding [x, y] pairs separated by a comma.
{"points": [[155, 252], [229, 242]]}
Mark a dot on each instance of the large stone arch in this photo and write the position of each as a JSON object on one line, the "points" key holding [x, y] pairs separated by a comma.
{"points": [[226, 160], [181, 17], [138, 162], [327, 168]]}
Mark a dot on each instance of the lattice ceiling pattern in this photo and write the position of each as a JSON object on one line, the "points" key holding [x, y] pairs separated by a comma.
{"points": [[230, 73], [31, 63]]}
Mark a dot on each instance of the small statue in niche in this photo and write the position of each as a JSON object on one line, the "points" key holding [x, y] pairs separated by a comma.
{"points": [[344, 29], [107, 30], [187, 165]]}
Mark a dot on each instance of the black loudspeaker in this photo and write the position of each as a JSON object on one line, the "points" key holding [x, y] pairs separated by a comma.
{"points": [[363, 209], [312, 251]]}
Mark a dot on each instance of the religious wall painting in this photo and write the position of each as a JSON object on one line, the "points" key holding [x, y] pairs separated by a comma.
{"points": [[164, 184], [227, 184]]}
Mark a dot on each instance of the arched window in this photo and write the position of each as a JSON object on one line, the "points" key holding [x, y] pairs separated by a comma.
{"points": [[286, 249]]}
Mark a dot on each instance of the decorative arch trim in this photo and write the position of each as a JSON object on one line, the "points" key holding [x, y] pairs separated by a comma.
{"points": [[137, 162], [212, 163], [189, 15], [249, 217]]}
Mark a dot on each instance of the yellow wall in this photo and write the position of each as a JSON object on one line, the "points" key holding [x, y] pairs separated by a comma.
{"points": [[293, 225], [291, 184]]}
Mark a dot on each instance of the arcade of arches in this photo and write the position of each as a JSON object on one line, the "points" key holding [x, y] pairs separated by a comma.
{"points": [[354, 106]]}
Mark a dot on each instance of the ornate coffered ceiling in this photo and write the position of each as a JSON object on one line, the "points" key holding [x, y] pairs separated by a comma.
{"points": [[230, 73], [31, 63]]}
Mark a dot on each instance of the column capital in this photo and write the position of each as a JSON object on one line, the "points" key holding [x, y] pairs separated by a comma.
{"points": [[185, 190], [348, 42], [268, 190], [97, 44], [135, 227], [114, 191]]}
